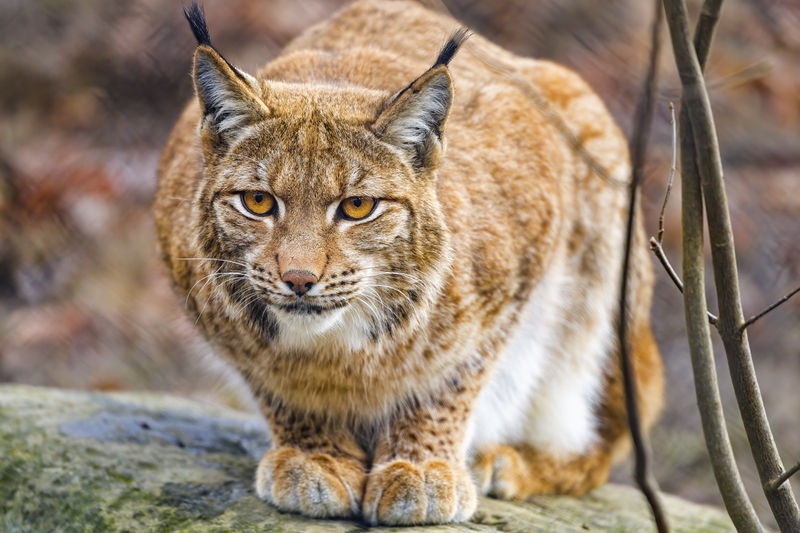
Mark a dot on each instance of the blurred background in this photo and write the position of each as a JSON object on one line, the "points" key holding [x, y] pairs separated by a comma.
{"points": [[89, 90]]}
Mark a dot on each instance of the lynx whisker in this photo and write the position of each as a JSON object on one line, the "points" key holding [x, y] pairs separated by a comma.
{"points": [[375, 274], [229, 276], [395, 289], [367, 299], [248, 296], [387, 308], [189, 292], [215, 275], [372, 318], [239, 263]]}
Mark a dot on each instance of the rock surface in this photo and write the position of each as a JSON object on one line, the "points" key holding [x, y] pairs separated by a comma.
{"points": [[75, 461]]}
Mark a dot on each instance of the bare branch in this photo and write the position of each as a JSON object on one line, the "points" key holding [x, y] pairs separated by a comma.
{"points": [[755, 317], [712, 416], [698, 114], [662, 257], [783, 478], [641, 130], [704, 32], [715, 431], [658, 250], [671, 174]]}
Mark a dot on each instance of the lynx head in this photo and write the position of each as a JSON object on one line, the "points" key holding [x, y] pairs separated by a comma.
{"points": [[321, 199]]}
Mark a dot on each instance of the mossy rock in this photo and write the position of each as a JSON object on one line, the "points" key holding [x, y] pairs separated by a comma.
{"points": [[76, 461]]}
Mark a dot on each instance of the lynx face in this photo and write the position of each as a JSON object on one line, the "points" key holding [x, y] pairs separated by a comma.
{"points": [[328, 222]]}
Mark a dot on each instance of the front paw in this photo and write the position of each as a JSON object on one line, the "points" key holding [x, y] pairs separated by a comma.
{"points": [[316, 484], [433, 492]]}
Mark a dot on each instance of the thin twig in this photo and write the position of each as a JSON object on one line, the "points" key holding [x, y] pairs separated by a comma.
{"points": [[656, 242], [658, 250], [755, 317], [783, 478], [644, 118], [726, 279], [662, 257], [672, 166]]}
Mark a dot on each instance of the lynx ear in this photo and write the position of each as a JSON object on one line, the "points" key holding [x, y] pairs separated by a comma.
{"points": [[414, 119], [230, 99]]}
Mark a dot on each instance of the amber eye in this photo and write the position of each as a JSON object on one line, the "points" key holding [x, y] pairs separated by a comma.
{"points": [[357, 207], [258, 202]]}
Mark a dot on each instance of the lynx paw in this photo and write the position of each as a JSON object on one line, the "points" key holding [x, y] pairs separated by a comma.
{"points": [[317, 485], [514, 474], [402, 493], [501, 472]]}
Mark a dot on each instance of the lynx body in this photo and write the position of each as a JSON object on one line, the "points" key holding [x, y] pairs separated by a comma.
{"points": [[413, 269]]}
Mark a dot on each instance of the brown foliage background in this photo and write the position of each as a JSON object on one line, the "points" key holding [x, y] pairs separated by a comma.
{"points": [[89, 90]]}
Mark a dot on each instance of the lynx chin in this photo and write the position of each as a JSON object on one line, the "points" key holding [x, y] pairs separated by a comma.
{"points": [[410, 266]]}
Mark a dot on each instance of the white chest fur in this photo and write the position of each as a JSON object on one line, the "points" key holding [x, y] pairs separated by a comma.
{"points": [[545, 387]]}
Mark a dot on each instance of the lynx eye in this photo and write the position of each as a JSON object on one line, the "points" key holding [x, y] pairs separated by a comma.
{"points": [[258, 203], [357, 207]]}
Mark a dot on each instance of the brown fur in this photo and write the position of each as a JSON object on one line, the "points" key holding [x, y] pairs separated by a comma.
{"points": [[370, 415]]}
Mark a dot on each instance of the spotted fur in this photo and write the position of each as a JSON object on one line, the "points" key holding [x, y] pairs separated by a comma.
{"points": [[467, 321]]}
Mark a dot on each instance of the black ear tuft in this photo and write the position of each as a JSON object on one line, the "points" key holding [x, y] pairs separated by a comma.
{"points": [[197, 21], [451, 47]]}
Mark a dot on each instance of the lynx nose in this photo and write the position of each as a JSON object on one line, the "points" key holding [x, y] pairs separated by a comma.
{"points": [[300, 281]]}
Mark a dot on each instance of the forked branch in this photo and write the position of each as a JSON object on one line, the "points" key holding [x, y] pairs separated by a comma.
{"points": [[709, 403], [658, 250], [699, 117]]}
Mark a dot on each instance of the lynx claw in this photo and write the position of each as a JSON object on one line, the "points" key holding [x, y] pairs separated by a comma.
{"points": [[434, 492], [316, 485]]}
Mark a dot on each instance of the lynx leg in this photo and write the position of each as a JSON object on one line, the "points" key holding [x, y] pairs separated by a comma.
{"points": [[314, 468], [419, 474]]}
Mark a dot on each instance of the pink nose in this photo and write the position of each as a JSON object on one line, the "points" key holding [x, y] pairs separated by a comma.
{"points": [[300, 281]]}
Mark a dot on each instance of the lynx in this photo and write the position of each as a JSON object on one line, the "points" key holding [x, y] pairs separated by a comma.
{"points": [[411, 266]]}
